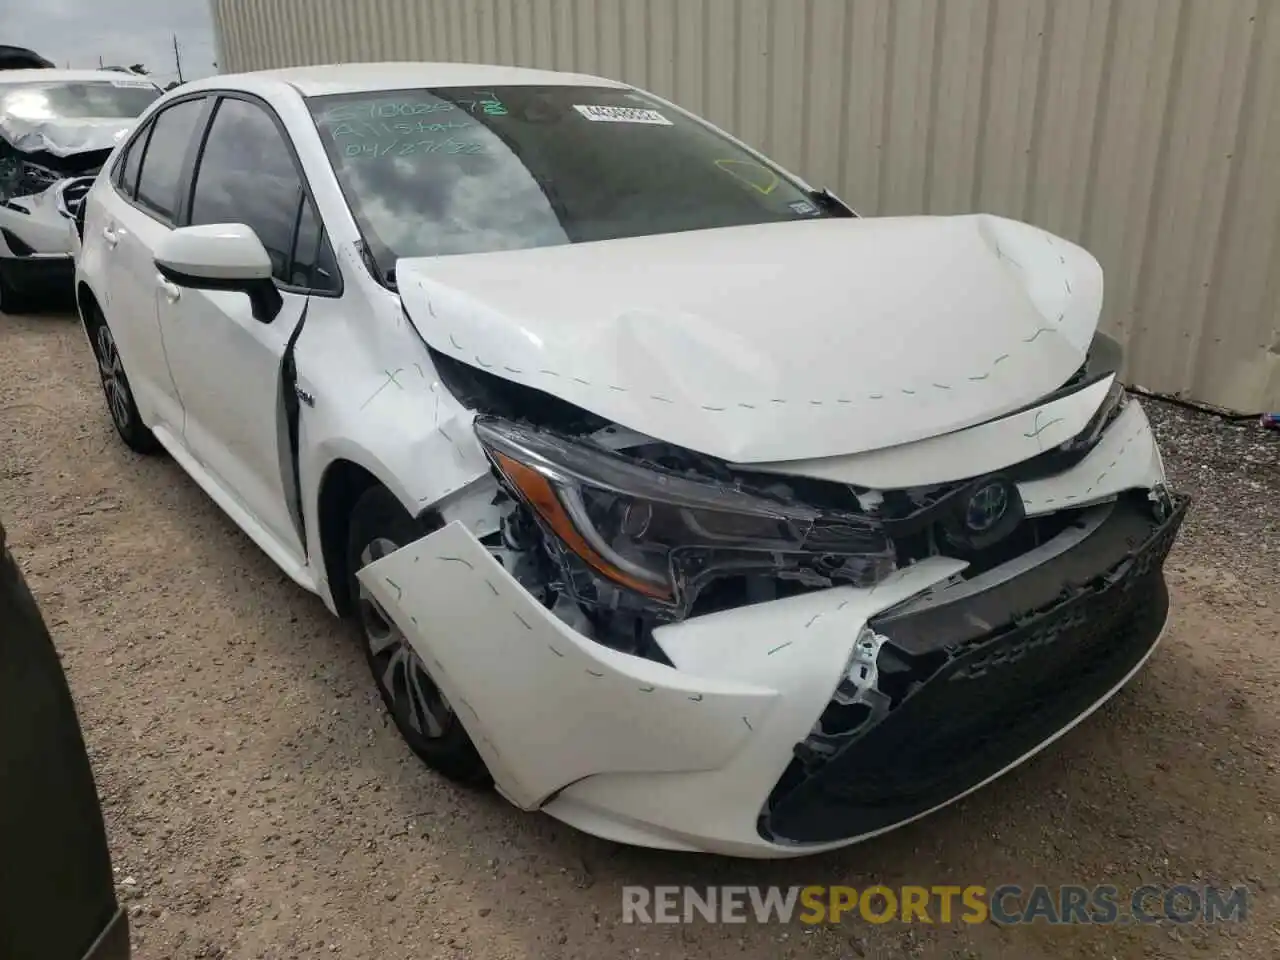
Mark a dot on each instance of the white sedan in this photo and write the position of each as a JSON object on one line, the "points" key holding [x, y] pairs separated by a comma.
{"points": [[666, 493]]}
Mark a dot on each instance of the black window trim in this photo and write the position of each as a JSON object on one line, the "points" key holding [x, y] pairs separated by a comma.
{"points": [[308, 195], [140, 140], [146, 129]]}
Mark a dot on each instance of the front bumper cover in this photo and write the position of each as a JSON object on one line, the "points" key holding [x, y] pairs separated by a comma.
{"points": [[997, 675], [688, 754]]}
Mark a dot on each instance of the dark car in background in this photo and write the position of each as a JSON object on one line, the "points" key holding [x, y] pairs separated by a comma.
{"points": [[57, 897], [20, 58]]}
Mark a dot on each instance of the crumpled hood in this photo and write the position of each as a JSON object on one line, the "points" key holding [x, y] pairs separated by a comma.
{"points": [[64, 138], [776, 342]]}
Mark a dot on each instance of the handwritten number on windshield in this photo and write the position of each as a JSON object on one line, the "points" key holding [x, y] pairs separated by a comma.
{"points": [[398, 148]]}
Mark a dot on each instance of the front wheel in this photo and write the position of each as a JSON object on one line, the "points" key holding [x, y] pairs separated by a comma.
{"points": [[380, 525]]}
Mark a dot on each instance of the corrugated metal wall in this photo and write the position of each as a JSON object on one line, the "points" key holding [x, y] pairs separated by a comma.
{"points": [[1148, 130]]}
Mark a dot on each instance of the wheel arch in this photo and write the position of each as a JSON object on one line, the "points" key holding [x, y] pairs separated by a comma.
{"points": [[87, 305], [342, 483]]}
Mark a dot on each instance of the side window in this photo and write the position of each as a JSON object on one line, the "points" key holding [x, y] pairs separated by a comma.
{"points": [[313, 263], [171, 134], [129, 164], [246, 175]]}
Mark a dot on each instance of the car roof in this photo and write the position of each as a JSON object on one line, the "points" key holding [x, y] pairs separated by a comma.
{"points": [[396, 75], [46, 75]]}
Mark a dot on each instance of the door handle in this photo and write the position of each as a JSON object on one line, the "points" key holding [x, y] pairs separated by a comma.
{"points": [[172, 292], [109, 235]]}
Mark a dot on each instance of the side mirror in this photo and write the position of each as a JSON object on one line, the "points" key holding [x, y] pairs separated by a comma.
{"points": [[221, 256]]}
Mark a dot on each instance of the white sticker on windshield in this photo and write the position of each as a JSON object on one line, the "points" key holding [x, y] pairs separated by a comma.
{"points": [[621, 114], [143, 84]]}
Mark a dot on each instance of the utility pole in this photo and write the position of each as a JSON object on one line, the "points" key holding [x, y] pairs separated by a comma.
{"points": [[177, 58]]}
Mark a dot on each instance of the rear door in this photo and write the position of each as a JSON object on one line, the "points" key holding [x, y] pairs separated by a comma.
{"points": [[149, 188]]}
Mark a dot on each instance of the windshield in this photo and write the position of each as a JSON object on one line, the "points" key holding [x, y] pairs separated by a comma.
{"points": [[453, 171], [77, 100]]}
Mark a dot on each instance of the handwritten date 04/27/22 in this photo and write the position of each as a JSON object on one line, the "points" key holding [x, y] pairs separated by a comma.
{"points": [[404, 148]]}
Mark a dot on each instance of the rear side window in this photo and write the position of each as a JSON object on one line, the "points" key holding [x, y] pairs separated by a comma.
{"points": [[131, 162], [247, 174], [171, 134]]}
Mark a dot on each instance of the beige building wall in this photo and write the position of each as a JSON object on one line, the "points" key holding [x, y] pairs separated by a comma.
{"points": [[1147, 130]]}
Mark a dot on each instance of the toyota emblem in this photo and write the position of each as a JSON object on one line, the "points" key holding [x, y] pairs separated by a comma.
{"points": [[987, 506]]}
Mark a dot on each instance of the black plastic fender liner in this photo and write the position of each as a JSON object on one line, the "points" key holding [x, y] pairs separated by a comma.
{"points": [[57, 897]]}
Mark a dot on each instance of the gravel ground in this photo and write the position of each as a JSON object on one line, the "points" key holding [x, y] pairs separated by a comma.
{"points": [[259, 804]]}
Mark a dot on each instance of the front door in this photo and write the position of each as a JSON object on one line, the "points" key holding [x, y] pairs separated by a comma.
{"points": [[225, 362]]}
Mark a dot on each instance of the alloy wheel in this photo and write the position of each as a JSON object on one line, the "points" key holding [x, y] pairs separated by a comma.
{"points": [[398, 668], [114, 384]]}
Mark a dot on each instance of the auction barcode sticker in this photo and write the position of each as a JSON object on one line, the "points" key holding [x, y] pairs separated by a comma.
{"points": [[621, 114]]}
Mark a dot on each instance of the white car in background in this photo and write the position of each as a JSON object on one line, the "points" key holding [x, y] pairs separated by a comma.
{"points": [[57, 128], [666, 493]]}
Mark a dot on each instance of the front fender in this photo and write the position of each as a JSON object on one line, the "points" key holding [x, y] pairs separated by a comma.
{"points": [[545, 705]]}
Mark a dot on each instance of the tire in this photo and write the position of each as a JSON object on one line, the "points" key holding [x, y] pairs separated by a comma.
{"points": [[378, 526], [136, 435]]}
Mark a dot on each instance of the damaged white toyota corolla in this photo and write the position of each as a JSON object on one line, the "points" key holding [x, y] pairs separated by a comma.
{"points": [[57, 127], [667, 493]]}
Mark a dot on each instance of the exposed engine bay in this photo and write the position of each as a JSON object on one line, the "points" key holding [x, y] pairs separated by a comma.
{"points": [[39, 194], [24, 174]]}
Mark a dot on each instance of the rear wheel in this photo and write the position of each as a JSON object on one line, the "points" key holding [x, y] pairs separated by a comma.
{"points": [[115, 388], [426, 720]]}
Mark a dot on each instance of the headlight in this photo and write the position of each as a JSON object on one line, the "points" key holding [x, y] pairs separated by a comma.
{"points": [[661, 534]]}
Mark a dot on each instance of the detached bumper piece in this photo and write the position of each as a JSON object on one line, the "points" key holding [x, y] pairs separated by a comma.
{"points": [[978, 684]]}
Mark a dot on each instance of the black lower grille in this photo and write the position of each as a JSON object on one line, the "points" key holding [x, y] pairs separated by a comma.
{"points": [[990, 702]]}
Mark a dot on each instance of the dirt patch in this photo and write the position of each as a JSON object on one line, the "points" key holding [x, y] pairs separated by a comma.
{"points": [[259, 804]]}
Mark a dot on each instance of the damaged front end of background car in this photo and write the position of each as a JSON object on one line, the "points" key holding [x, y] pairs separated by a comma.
{"points": [[55, 136], [40, 221], [27, 181], [46, 190]]}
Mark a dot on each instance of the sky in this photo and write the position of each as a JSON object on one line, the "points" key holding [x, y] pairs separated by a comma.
{"points": [[121, 32]]}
